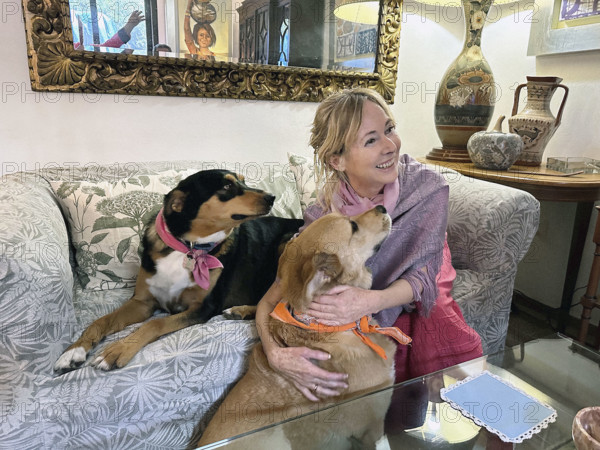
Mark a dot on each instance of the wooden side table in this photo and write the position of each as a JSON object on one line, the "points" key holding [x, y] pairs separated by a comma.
{"points": [[545, 185], [589, 300]]}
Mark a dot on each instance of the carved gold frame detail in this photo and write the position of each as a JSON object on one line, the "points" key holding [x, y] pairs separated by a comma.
{"points": [[54, 65]]}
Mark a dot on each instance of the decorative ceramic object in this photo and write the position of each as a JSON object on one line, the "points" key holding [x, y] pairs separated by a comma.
{"points": [[494, 149], [535, 123], [586, 429], [465, 99], [203, 12]]}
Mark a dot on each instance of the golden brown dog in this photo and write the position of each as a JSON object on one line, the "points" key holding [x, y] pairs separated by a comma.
{"points": [[207, 250], [331, 251]]}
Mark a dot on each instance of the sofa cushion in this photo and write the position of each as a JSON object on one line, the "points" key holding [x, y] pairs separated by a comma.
{"points": [[305, 179], [283, 187], [106, 221]]}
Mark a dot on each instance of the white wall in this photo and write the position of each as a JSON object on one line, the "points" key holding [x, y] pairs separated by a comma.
{"points": [[87, 128]]}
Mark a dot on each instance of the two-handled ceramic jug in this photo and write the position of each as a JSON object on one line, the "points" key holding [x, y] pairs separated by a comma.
{"points": [[535, 123]]}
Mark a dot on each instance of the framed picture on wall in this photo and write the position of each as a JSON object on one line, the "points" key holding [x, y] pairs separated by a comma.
{"points": [[563, 26]]}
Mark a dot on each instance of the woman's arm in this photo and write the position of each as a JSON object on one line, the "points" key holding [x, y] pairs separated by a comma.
{"points": [[294, 363], [124, 34], [189, 39], [265, 306]]}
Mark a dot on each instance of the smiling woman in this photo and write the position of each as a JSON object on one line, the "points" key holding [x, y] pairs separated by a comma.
{"points": [[297, 50]]}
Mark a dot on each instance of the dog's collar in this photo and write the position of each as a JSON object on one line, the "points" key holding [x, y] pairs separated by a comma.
{"points": [[206, 247], [283, 313], [197, 260]]}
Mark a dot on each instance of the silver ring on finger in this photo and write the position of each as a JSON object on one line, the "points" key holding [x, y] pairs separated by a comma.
{"points": [[315, 388]]}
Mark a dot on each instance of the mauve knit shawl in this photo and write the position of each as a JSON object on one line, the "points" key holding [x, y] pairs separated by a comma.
{"points": [[416, 239]]}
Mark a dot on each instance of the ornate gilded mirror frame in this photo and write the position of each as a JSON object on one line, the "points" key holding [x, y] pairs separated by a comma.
{"points": [[54, 65]]}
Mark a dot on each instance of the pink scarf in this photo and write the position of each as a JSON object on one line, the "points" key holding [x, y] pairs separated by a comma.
{"points": [[349, 203], [201, 261]]}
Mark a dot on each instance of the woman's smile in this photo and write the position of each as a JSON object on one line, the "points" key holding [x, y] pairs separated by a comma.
{"points": [[386, 165]]}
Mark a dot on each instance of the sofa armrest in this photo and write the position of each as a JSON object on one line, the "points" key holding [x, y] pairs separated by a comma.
{"points": [[36, 280], [490, 226]]}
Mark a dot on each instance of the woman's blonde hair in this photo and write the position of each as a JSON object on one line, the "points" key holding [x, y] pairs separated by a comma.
{"points": [[334, 130]]}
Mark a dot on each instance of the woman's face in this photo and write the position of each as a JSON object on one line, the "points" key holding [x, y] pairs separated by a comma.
{"points": [[203, 38], [372, 161]]}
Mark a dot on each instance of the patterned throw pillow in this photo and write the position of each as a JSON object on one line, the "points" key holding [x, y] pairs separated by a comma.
{"points": [[283, 187], [304, 175], [106, 221]]}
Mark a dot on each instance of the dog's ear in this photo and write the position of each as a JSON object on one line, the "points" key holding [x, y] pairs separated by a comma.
{"points": [[175, 201], [289, 272], [326, 267], [303, 273]]}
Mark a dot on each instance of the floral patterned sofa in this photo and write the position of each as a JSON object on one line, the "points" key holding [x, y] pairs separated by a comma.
{"points": [[69, 239]]}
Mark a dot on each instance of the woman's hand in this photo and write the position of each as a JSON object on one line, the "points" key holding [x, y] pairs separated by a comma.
{"points": [[295, 364], [347, 304], [342, 305], [134, 20]]}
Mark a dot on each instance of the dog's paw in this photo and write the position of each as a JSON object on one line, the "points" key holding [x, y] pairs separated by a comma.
{"points": [[240, 313], [115, 356], [70, 360]]}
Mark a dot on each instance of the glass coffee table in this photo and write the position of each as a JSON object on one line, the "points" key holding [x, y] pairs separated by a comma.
{"points": [[557, 371]]}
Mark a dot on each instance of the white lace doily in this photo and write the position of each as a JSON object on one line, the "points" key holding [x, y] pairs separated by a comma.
{"points": [[529, 424]]}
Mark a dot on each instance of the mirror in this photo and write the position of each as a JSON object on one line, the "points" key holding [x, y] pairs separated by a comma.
{"points": [[292, 33], [295, 50]]}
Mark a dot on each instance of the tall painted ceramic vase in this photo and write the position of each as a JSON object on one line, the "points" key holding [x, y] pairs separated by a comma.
{"points": [[535, 123], [465, 98]]}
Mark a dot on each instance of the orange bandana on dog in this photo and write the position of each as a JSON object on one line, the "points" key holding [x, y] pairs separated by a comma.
{"points": [[360, 327]]}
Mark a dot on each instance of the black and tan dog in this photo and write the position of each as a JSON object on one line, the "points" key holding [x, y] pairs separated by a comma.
{"points": [[331, 251], [229, 257]]}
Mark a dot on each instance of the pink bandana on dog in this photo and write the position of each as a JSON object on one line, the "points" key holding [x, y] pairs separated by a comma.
{"points": [[201, 261]]}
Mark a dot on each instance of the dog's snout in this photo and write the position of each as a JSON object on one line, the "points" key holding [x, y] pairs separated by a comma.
{"points": [[380, 209], [269, 199]]}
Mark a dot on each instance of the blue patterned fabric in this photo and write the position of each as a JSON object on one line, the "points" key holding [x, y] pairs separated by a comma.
{"points": [[173, 384]]}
